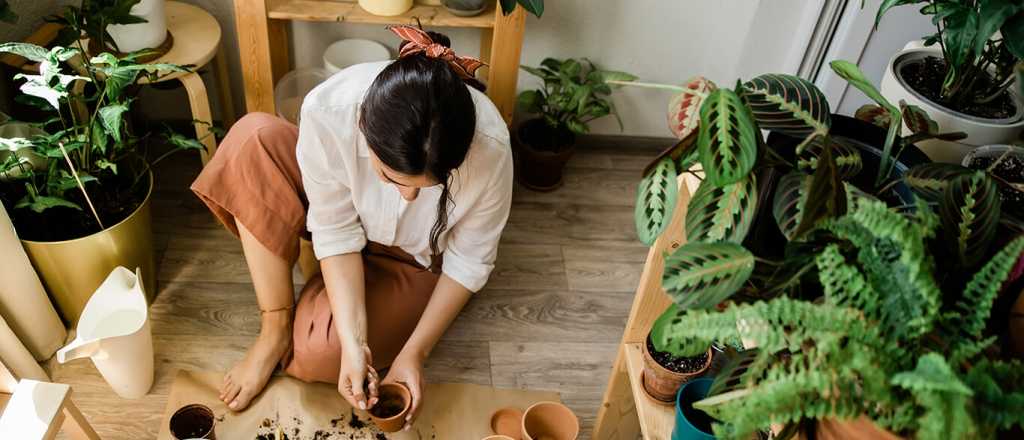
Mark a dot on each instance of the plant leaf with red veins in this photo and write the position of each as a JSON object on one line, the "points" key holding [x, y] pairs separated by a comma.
{"points": [[684, 109]]}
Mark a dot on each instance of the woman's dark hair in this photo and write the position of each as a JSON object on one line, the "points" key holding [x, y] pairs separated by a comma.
{"points": [[418, 117]]}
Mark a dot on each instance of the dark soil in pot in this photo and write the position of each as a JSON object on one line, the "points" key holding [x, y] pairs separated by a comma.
{"points": [[114, 201], [926, 77], [542, 152], [388, 407], [677, 364], [1011, 170]]}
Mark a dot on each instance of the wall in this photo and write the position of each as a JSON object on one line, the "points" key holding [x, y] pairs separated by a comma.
{"points": [[31, 13]]}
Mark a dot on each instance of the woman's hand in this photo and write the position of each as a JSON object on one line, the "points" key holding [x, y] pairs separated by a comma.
{"points": [[357, 374], [408, 371]]}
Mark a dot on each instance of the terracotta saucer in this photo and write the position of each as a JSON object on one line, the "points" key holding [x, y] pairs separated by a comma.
{"points": [[508, 422]]}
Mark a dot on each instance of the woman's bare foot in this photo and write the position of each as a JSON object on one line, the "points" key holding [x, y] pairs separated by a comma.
{"points": [[248, 377]]}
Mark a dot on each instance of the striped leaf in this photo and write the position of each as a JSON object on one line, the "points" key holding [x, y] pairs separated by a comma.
{"points": [[787, 104], [929, 180], [790, 198], [721, 213], [917, 120], [701, 275], [684, 109], [655, 199], [727, 138], [970, 210], [873, 114], [848, 160]]}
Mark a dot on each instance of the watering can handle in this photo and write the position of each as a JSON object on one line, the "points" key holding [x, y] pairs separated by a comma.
{"points": [[77, 349]]}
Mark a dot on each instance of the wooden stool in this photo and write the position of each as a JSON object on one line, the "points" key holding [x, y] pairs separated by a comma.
{"points": [[34, 410], [197, 42]]}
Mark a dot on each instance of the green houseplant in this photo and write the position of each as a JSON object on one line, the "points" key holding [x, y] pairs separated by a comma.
{"points": [[78, 189], [826, 215], [574, 93], [963, 74]]}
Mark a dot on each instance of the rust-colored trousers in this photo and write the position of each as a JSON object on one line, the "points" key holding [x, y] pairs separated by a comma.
{"points": [[254, 179]]}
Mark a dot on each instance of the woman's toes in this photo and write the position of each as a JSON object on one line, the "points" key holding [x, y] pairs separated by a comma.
{"points": [[242, 401], [233, 391]]}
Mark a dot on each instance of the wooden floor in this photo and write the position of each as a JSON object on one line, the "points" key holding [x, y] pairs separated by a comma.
{"points": [[550, 318]]}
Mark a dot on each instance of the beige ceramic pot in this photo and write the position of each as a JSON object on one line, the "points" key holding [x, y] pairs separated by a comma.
{"points": [[386, 8], [71, 270], [550, 421], [661, 384]]}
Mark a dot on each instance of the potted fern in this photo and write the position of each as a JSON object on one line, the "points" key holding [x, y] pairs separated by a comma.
{"points": [[832, 340], [575, 92], [78, 189]]}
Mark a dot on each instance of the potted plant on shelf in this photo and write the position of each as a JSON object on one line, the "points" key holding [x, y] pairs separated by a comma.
{"points": [[963, 74], [664, 372], [575, 92], [80, 198], [864, 302]]}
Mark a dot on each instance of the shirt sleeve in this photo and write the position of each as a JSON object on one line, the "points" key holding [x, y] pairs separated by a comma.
{"points": [[473, 243], [332, 218]]}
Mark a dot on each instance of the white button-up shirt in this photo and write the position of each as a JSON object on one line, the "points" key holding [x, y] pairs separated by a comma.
{"points": [[349, 204]]}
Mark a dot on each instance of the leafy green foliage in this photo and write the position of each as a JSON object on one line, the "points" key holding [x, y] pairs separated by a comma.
{"points": [[853, 75], [727, 139], [535, 7], [93, 17], [974, 307], [701, 275], [575, 93], [665, 341], [787, 104], [929, 180], [941, 395], [790, 198], [722, 213], [826, 194], [970, 213], [847, 159], [655, 201]]}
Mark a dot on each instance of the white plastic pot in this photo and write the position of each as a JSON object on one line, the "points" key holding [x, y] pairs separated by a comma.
{"points": [[352, 51], [138, 36], [292, 89], [114, 331], [980, 131], [386, 8]]}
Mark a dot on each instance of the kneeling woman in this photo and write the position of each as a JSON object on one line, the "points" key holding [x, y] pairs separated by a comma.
{"points": [[402, 176]]}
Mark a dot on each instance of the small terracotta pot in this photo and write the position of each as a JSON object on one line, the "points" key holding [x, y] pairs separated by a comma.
{"points": [[860, 428], [192, 422], [550, 421], [392, 396], [498, 437], [507, 422], [661, 384]]}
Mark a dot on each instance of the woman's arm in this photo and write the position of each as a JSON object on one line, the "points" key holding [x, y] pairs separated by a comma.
{"points": [[447, 300], [346, 292]]}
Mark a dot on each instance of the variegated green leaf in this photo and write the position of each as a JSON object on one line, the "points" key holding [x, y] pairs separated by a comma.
{"points": [[655, 200], [727, 138], [970, 210], [684, 109], [701, 275], [790, 198], [787, 104], [721, 213], [929, 180], [848, 160]]}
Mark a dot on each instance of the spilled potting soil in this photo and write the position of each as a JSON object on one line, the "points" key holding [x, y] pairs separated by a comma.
{"points": [[344, 427]]}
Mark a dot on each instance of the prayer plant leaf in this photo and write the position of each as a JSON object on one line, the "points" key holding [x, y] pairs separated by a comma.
{"points": [[847, 158], [970, 211], [701, 275], [917, 120], [722, 213], [790, 198], [727, 137], [873, 114], [655, 201], [684, 109], [826, 194], [929, 180], [787, 104], [666, 341]]}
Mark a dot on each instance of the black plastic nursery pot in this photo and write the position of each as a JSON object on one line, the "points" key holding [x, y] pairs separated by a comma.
{"points": [[543, 152]]}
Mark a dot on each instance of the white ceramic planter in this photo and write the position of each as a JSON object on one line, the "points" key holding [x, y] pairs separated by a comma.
{"points": [[386, 8], [980, 131], [133, 37]]}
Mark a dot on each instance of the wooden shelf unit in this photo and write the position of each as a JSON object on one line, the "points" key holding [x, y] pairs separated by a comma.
{"points": [[263, 42], [627, 412]]}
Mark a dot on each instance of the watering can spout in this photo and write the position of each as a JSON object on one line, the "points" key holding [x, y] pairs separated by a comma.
{"points": [[76, 350]]}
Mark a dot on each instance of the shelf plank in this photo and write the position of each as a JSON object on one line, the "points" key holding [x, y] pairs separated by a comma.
{"points": [[656, 420], [320, 10]]}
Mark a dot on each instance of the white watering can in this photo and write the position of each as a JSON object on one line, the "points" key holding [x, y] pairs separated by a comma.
{"points": [[114, 331]]}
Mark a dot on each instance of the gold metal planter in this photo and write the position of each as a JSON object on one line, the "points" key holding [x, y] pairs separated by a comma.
{"points": [[73, 269]]}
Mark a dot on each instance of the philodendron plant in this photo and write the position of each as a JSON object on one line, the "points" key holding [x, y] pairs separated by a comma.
{"points": [[854, 270], [93, 168]]}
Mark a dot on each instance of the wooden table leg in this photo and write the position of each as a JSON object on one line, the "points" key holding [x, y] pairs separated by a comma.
{"points": [[254, 49], [506, 46], [76, 425], [617, 418], [227, 104], [201, 114]]}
